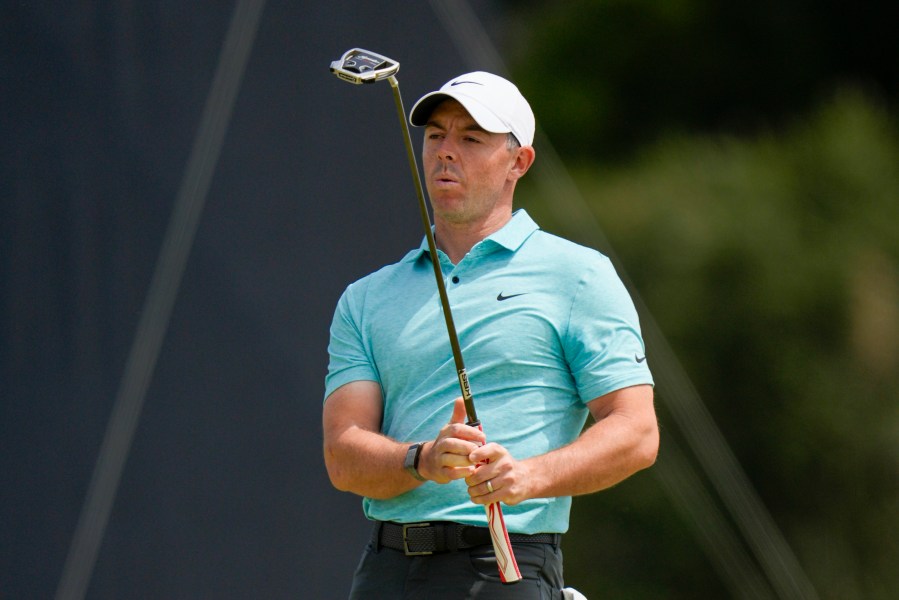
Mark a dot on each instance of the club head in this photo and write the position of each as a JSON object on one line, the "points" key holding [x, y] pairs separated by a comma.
{"points": [[363, 66]]}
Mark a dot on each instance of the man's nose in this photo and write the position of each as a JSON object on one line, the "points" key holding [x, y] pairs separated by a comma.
{"points": [[446, 151]]}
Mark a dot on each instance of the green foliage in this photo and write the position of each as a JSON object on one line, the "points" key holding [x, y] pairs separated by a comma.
{"points": [[605, 77], [772, 266]]}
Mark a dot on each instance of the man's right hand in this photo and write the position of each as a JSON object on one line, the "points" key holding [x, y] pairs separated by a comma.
{"points": [[446, 458]]}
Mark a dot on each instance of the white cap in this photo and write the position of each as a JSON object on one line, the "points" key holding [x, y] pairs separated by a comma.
{"points": [[495, 103]]}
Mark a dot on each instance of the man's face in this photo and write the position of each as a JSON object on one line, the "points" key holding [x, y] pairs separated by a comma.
{"points": [[468, 171]]}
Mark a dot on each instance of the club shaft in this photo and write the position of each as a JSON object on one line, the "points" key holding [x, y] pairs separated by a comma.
{"points": [[435, 259], [508, 566]]}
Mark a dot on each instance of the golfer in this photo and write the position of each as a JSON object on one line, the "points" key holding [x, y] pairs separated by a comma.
{"points": [[550, 336]]}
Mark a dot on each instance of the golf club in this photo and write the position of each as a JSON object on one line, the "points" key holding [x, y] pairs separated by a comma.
{"points": [[360, 66]]}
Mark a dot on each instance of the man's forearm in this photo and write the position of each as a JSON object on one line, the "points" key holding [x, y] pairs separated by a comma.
{"points": [[624, 440], [605, 454], [368, 463]]}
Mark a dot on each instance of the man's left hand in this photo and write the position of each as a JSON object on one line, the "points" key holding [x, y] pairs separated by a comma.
{"points": [[499, 478]]}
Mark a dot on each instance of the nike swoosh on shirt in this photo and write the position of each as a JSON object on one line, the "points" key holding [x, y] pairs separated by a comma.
{"points": [[639, 359], [500, 297]]}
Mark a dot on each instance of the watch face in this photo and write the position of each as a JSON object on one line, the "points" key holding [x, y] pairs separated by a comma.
{"points": [[409, 462]]}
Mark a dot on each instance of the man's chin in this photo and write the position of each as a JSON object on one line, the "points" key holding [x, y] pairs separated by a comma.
{"points": [[447, 204]]}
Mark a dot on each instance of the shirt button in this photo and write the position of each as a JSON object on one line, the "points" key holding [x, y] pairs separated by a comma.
{"points": [[455, 279]]}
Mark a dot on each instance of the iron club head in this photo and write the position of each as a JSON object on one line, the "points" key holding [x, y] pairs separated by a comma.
{"points": [[363, 66]]}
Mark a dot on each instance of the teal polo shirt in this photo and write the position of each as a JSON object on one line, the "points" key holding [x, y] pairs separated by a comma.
{"points": [[545, 325]]}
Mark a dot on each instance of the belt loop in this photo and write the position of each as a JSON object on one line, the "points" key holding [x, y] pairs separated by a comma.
{"points": [[376, 536]]}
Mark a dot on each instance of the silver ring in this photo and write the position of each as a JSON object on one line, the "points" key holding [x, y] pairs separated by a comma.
{"points": [[489, 486]]}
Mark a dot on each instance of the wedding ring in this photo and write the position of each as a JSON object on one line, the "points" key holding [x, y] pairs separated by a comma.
{"points": [[489, 486]]}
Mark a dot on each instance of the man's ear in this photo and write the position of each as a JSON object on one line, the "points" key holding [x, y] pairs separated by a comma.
{"points": [[524, 158]]}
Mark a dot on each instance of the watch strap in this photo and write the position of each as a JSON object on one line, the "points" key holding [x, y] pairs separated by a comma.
{"points": [[413, 455]]}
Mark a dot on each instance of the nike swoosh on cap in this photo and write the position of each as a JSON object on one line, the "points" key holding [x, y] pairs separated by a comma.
{"points": [[455, 83]]}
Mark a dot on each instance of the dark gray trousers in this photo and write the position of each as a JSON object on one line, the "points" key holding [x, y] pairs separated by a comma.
{"points": [[384, 573]]}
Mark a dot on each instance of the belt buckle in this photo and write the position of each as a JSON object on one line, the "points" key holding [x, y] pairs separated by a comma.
{"points": [[406, 528]]}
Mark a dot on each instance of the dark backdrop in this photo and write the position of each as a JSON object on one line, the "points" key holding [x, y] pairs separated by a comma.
{"points": [[224, 493]]}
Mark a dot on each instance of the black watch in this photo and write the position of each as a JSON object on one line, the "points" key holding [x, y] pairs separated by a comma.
{"points": [[411, 461]]}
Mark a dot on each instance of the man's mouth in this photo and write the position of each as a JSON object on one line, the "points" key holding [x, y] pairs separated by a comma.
{"points": [[445, 178]]}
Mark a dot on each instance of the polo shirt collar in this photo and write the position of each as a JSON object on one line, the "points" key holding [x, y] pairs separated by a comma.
{"points": [[511, 236], [515, 232]]}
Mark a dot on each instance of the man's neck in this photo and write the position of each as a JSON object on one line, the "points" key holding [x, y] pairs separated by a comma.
{"points": [[456, 239]]}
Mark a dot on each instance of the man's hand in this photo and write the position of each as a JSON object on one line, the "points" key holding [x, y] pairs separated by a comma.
{"points": [[499, 478], [447, 458]]}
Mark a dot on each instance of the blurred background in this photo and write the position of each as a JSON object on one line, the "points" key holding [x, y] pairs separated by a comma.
{"points": [[738, 161]]}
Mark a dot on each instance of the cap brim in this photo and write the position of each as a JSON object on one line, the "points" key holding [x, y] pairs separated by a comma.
{"points": [[484, 117], [422, 110]]}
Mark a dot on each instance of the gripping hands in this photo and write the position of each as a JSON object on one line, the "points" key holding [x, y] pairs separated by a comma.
{"points": [[460, 452]]}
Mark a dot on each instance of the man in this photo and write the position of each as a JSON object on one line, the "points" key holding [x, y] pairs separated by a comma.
{"points": [[549, 335]]}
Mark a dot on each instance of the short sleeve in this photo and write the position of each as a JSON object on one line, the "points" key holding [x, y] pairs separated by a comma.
{"points": [[603, 342], [348, 350]]}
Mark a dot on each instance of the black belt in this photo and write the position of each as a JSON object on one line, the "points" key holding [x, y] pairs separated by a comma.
{"points": [[416, 539]]}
